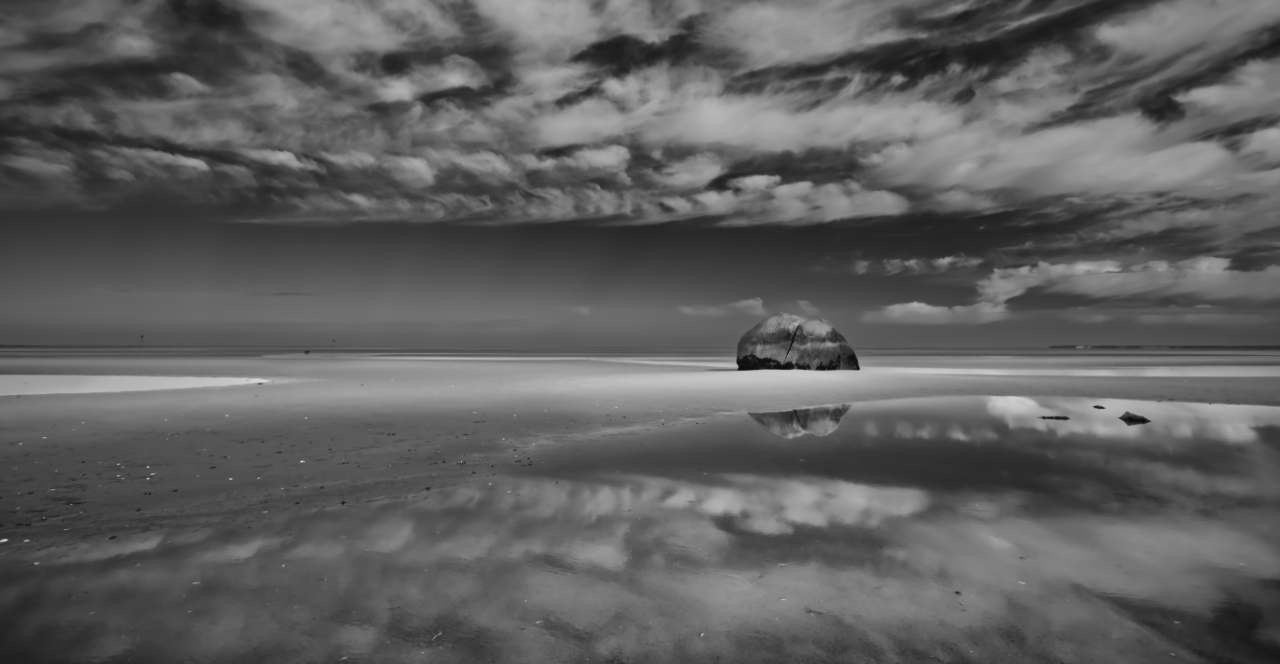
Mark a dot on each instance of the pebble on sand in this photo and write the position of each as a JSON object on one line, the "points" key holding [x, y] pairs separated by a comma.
{"points": [[1133, 418]]}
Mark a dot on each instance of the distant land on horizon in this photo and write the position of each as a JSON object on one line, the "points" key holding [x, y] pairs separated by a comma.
{"points": [[1163, 347], [607, 351]]}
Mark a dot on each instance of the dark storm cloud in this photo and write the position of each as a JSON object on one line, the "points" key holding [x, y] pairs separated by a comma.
{"points": [[1132, 131]]}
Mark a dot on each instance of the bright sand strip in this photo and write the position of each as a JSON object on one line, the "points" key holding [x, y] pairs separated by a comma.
{"points": [[1208, 371], [35, 384]]}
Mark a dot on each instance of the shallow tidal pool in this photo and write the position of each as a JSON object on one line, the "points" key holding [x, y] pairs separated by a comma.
{"points": [[958, 529]]}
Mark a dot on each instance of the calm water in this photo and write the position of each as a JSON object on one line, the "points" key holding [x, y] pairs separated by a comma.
{"points": [[940, 529]]}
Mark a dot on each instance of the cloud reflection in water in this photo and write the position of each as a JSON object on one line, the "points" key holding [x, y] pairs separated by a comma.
{"points": [[760, 562]]}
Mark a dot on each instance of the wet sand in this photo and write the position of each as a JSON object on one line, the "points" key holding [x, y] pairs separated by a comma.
{"points": [[47, 384], [635, 502], [328, 429]]}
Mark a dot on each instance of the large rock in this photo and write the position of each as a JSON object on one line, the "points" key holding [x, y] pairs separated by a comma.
{"points": [[787, 341]]}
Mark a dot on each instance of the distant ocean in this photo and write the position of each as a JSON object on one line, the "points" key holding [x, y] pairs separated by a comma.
{"points": [[696, 353], [1100, 361]]}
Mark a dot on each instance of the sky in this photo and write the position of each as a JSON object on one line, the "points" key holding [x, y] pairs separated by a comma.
{"points": [[563, 175]]}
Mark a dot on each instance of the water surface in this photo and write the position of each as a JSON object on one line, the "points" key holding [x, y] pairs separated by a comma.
{"points": [[958, 529]]}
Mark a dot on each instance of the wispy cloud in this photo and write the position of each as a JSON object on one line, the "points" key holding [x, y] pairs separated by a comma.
{"points": [[915, 266], [921, 313], [753, 306], [1204, 278], [541, 110], [808, 308], [1200, 315], [288, 293], [1199, 279]]}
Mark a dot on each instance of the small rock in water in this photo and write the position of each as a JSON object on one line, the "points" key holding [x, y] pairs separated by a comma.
{"points": [[1054, 417], [1133, 418], [1097, 407]]}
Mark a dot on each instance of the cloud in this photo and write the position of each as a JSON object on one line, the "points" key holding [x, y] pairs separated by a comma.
{"points": [[690, 173], [483, 165], [337, 27], [920, 313], [453, 73], [605, 159], [915, 266], [808, 308], [1206, 278], [608, 158], [766, 34], [1265, 143], [959, 200], [849, 200], [755, 183], [650, 111], [1203, 278], [770, 125], [749, 307], [1249, 90], [1125, 154], [550, 28], [278, 158], [1004, 284], [1171, 29], [411, 171], [1200, 315], [762, 198], [589, 122]]}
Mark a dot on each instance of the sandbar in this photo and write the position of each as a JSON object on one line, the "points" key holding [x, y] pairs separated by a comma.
{"points": [[42, 384]]}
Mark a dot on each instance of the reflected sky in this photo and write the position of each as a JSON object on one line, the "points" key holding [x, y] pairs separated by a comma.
{"points": [[957, 529]]}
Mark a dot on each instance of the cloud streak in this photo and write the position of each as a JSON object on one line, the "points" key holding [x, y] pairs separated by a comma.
{"points": [[1201, 279], [542, 111], [915, 266], [752, 306]]}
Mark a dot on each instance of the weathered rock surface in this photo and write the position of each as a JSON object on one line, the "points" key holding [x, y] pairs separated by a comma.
{"points": [[1132, 419], [787, 341], [820, 421]]}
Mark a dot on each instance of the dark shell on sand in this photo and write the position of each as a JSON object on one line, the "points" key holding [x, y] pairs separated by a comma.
{"points": [[787, 341]]}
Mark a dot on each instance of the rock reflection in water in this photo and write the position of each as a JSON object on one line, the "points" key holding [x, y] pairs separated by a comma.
{"points": [[712, 553], [818, 421]]}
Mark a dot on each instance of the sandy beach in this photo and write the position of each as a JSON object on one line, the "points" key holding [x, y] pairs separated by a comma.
{"points": [[246, 476], [46, 384], [319, 429]]}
